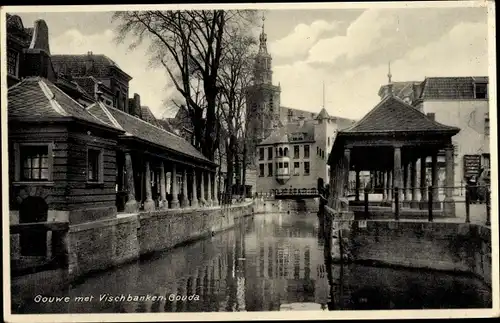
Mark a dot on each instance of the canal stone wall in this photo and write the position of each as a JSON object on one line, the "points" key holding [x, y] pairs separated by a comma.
{"points": [[455, 247], [103, 244]]}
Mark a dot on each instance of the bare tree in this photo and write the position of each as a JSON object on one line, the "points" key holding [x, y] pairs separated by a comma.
{"points": [[234, 78], [190, 46]]}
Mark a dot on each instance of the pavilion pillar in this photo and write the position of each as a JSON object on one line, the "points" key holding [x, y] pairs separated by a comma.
{"points": [[216, 191], [175, 190], [194, 198], [185, 198], [449, 203], [407, 184], [398, 174], [347, 160], [131, 205], [149, 204], [163, 191], [384, 185], [413, 178], [390, 185], [209, 189], [203, 202], [358, 182], [423, 182], [435, 182]]}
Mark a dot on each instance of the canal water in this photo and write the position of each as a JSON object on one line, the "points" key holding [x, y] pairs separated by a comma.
{"points": [[268, 262]]}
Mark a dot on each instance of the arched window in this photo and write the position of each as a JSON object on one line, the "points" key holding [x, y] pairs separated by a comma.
{"points": [[286, 151], [281, 152]]}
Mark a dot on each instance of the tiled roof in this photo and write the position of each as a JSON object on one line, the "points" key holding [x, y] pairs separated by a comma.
{"points": [[148, 116], [298, 112], [323, 114], [146, 131], [451, 87], [283, 133], [36, 98], [394, 115], [76, 65]]}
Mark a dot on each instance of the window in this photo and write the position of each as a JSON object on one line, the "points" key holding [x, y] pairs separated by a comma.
{"points": [[34, 163], [285, 152], [285, 165], [306, 168], [296, 152], [270, 169], [487, 124], [481, 90], [94, 165], [12, 62], [328, 141], [270, 153], [280, 165], [261, 170], [281, 152], [296, 168], [261, 154], [306, 151], [323, 154]]}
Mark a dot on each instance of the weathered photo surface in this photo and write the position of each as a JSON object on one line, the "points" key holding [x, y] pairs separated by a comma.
{"points": [[328, 160]]}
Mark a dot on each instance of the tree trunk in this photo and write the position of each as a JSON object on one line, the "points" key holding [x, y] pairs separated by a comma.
{"points": [[244, 165]]}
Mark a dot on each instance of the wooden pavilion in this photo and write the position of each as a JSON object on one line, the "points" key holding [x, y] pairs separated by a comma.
{"points": [[393, 142]]}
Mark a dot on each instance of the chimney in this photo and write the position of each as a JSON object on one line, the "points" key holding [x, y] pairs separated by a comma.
{"points": [[431, 116], [37, 56], [137, 106], [88, 62]]}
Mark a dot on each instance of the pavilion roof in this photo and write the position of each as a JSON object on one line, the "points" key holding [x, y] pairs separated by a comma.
{"points": [[393, 115]]}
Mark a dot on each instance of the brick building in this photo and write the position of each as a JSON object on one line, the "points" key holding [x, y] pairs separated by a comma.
{"points": [[456, 101], [78, 157], [296, 154]]}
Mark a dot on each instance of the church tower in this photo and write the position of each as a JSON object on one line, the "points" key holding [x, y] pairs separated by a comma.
{"points": [[262, 99]]}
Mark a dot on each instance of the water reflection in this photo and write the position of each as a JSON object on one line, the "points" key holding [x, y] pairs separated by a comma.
{"points": [[265, 262]]}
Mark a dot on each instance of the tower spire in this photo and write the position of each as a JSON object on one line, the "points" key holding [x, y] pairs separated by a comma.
{"points": [[263, 36], [323, 94], [389, 77]]}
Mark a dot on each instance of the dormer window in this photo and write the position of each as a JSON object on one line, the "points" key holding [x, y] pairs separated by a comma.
{"points": [[481, 90], [13, 63]]}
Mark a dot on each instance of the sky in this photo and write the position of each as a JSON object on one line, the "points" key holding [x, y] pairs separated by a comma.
{"points": [[347, 50]]}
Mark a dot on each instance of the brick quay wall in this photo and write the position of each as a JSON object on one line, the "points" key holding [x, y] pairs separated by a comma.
{"points": [[107, 243], [454, 247]]}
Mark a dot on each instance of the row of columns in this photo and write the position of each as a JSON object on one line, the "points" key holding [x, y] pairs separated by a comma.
{"points": [[405, 178], [206, 197]]}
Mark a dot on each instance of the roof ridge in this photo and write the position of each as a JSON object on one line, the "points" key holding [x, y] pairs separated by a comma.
{"points": [[132, 116], [107, 113], [51, 97], [368, 114]]}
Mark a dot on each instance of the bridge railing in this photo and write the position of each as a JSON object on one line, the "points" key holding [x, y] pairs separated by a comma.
{"points": [[28, 256], [473, 207]]}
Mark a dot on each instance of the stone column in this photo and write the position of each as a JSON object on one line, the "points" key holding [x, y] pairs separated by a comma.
{"points": [[390, 186], [163, 191], [407, 185], [185, 198], [149, 204], [435, 181], [384, 186], [398, 173], [413, 178], [216, 190], [347, 160], [203, 202], [131, 205], [209, 188], [423, 182], [449, 203], [175, 190], [358, 183], [194, 199]]}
